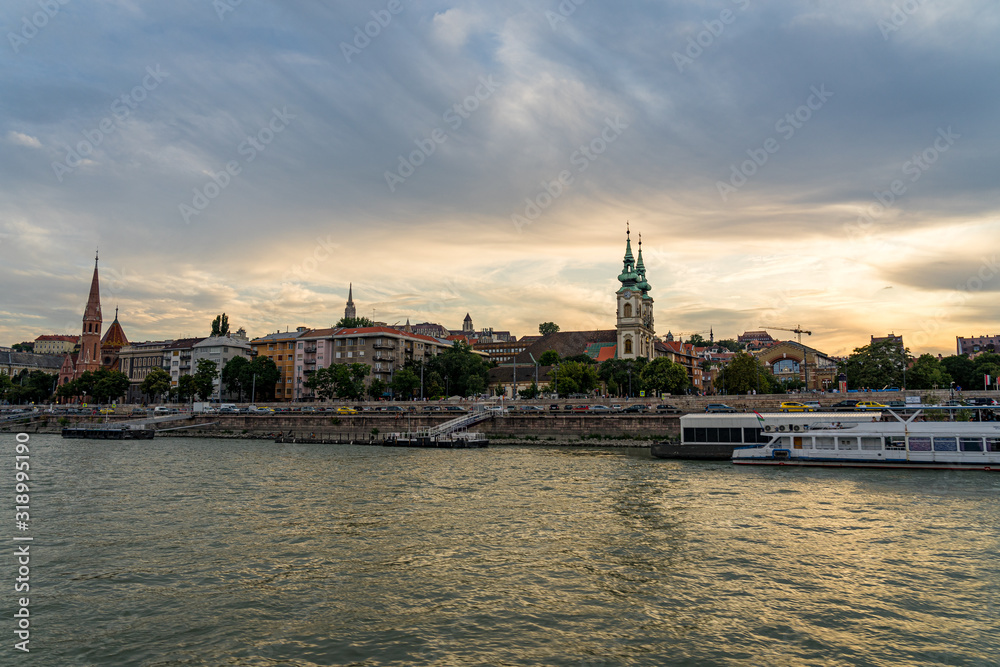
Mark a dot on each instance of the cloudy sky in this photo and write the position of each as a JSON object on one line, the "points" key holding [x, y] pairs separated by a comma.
{"points": [[825, 163]]}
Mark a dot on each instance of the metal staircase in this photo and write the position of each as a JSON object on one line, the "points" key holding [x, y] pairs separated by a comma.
{"points": [[458, 423]]}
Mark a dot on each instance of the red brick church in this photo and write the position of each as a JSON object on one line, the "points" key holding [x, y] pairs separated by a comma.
{"points": [[95, 352]]}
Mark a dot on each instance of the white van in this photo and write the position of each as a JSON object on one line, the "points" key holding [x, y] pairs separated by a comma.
{"points": [[161, 410]]}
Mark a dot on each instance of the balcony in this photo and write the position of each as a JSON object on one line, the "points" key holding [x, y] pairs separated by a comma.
{"points": [[310, 349], [383, 344], [384, 357], [310, 362]]}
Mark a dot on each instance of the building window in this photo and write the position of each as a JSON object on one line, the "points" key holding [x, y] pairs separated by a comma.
{"points": [[628, 345], [628, 310]]}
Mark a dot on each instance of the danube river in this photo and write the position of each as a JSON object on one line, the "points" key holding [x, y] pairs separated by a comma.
{"points": [[182, 551]]}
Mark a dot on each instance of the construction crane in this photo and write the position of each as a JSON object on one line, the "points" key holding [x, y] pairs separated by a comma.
{"points": [[798, 330]]}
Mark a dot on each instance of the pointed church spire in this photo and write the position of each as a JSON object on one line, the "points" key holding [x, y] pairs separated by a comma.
{"points": [[350, 311], [628, 277]]}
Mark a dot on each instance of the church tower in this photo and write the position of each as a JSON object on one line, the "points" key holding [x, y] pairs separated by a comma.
{"points": [[349, 311], [89, 358], [634, 322]]}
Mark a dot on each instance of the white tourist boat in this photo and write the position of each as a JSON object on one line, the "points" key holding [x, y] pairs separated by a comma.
{"points": [[893, 444]]}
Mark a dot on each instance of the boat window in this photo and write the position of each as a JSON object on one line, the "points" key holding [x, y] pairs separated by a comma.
{"points": [[897, 442], [751, 435], [993, 444], [712, 435], [847, 443], [735, 435], [971, 444], [871, 444], [945, 444], [689, 434], [920, 444], [823, 442], [700, 435]]}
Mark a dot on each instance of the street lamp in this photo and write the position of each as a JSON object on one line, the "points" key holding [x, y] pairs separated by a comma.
{"points": [[630, 382]]}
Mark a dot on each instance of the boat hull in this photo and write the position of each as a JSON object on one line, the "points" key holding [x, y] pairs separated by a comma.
{"points": [[108, 434]]}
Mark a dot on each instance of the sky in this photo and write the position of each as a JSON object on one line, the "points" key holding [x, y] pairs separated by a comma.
{"points": [[831, 165]]}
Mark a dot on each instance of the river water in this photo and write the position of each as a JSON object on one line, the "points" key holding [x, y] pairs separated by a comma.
{"points": [[184, 551]]}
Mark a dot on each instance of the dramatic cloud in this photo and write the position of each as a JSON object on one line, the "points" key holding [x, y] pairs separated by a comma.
{"points": [[784, 161]]}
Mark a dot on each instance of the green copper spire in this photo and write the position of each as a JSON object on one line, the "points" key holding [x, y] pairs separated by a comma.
{"points": [[640, 269], [628, 277]]}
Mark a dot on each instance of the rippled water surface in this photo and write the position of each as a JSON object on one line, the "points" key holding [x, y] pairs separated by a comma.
{"points": [[219, 552]]}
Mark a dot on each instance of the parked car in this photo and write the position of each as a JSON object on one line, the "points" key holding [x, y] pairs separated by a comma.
{"points": [[617, 408], [813, 404], [870, 405], [394, 408], [456, 408], [600, 408], [719, 407], [844, 405], [982, 401], [161, 410], [344, 410], [531, 408], [896, 405], [795, 406], [666, 408], [638, 407]]}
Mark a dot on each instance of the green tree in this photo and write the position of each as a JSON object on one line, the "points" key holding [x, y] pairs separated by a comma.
{"points": [[156, 383], [323, 382], [187, 387], [664, 376], [463, 372], [876, 366], [730, 344], [983, 365], [549, 358], [28, 387], [743, 373], [354, 322], [376, 388], [351, 383], [264, 375], [575, 378], [617, 373], [529, 393], [204, 378], [404, 383], [582, 358], [697, 340], [961, 369], [109, 385], [220, 325], [546, 328], [927, 372], [236, 376]]}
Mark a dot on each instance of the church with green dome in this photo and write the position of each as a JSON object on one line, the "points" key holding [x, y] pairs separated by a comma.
{"points": [[634, 322]]}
